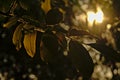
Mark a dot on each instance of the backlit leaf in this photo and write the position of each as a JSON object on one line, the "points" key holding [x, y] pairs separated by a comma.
{"points": [[30, 43], [17, 36], [46, 6], [12, 21]]}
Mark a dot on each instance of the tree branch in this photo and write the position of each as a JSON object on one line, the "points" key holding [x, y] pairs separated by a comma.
{"points": [[5, 14]]}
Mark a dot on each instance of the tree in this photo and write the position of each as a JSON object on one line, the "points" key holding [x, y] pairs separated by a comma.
{"points": [[45, 30]]}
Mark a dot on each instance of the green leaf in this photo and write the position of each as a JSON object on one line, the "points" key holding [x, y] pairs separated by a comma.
{"points": [[81, 59], [108, 52]]}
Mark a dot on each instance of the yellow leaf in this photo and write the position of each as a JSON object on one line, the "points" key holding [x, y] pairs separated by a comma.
{"points": [[46, 6], [30, 43], [12, 21], [61, 10], [17, 36]]}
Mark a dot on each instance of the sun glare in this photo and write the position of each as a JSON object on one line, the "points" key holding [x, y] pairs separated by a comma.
{"points": [[91, 17], [99, 16], [95, 17]]}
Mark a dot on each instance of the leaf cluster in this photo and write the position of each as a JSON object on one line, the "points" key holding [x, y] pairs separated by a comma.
{"points": [[41, 27]]}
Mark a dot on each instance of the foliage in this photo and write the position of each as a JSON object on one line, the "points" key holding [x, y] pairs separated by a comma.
{"points": [[45, 28]]}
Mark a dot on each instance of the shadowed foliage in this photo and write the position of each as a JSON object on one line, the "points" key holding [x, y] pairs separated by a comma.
{"points": [[44, 31]]}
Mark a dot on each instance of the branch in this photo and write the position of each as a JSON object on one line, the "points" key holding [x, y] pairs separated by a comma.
{"points": [[5, 14], [10, 10], [12, 6]]}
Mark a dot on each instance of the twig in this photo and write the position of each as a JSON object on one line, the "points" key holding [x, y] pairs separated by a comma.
{"points": [[5, 14], [12, 7]]}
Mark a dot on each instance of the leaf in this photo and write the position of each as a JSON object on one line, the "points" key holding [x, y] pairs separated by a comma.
{"points": [[49, 48], [75, 32], [24, 4], [33, 10], [81, 59], [61, 40], [66, 2], [37, 13], [46, 5], [38, 40], [19, 11], [58, 3], [17, 36], [12, 21], [30, 43], [28, 28], [108, 52], [32, 21], [61, 27], [54, 16]]}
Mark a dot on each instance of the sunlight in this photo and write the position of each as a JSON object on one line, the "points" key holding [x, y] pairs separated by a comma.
{"points": [[91, 17], [95, 17], [99, 16]]}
